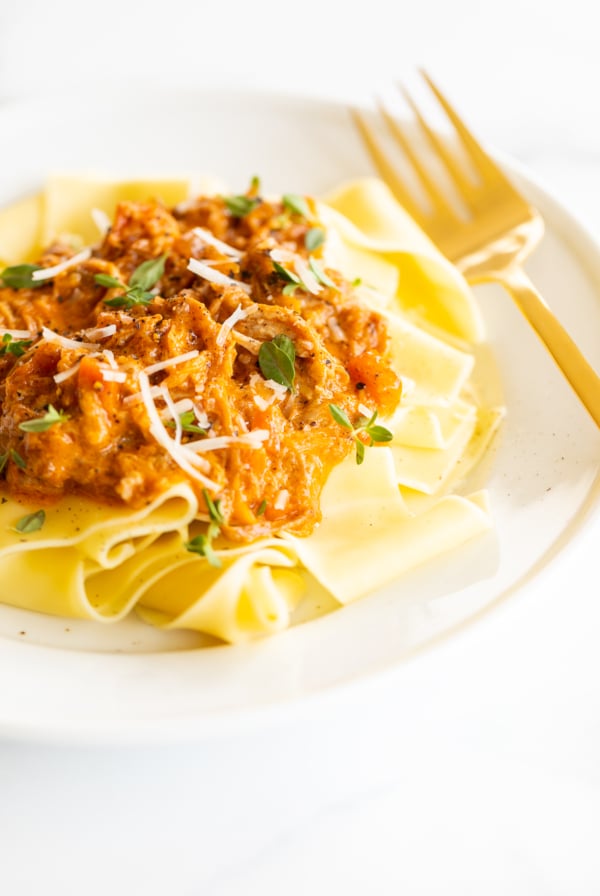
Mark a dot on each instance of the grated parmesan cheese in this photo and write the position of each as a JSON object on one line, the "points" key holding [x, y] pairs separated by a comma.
{"points": [[51, 336], [166, 395], [101, 332], [281, 499], [282, 256], [101, 220], [253, 439], [204, 270], [261, 403], [18, 334], [55, 270], [253, 345], [113, 376], [278, 388], [180, 407], [171, 362], [202, 418], [337, 334], [158, 431], [109, 356], [306, 275], [66, 374], [228, 324], [211, 240], [155, 391]]}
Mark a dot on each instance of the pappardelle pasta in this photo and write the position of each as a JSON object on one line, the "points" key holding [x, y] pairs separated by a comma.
{"points": [[212, 406]]}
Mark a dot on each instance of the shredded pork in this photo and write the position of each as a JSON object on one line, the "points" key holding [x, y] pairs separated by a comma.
{"points": [[105, 445]]}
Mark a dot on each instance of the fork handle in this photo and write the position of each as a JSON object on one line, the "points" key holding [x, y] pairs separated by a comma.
{"points": [[582, 377]]}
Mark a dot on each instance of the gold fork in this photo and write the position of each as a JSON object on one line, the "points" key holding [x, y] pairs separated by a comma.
{"points": [[501, 231]]}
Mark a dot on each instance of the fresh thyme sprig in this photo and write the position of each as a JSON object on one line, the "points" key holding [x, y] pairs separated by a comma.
{"points": [[137, 292], [202, 544], [188, 423], [296, 205], [41, 424], [15, 457], [14, 347], [366, 428], [241, 205]]}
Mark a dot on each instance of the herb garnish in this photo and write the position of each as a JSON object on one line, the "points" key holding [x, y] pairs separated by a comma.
{"points": [[320, 274], [292, 281], [240, 206], [14, 456], [202, 544], [19, 276], [314, 238], [276, 361], [41, 424], [286, 275], [188, 423], [296, 205], [366, 427], [261, 508], [31, 523], [17, 459], [15, 347], [143, 279]]}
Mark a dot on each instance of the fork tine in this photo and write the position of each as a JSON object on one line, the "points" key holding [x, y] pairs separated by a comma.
{"points": [[433, 191], [463, 183], [487, 169], [385, 167]]}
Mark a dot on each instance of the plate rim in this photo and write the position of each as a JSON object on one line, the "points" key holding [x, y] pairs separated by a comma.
{"points": [[217, 722]]}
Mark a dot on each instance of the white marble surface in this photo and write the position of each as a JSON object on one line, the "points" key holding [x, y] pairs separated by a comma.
{"points": [[483, 780]]}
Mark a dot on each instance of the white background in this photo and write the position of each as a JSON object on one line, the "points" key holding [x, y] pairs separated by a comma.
{"points": [[485, 780]]}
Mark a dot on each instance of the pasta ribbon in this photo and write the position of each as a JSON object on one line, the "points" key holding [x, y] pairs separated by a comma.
{"points": [[380, 518]]}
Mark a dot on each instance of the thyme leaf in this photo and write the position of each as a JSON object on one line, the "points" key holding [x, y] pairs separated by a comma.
{"points": [[365, 434], [320, 274], [17, 459], [41, 424], [296, 205], [188, 423], [109, 282], [240, 206], [32, 522], [286, 275], [314, 238], [143, 279], [202, 544], [14, 456], [340, 416], [214, 508], [15, 347], [276, 361], [261, 508], [19, 276], [148, 273]]}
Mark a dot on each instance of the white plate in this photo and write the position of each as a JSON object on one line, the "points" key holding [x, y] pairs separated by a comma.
{"points": [[70, 679]]}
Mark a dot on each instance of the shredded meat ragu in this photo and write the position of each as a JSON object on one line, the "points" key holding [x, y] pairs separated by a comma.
{"points": [[104, 448]]}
